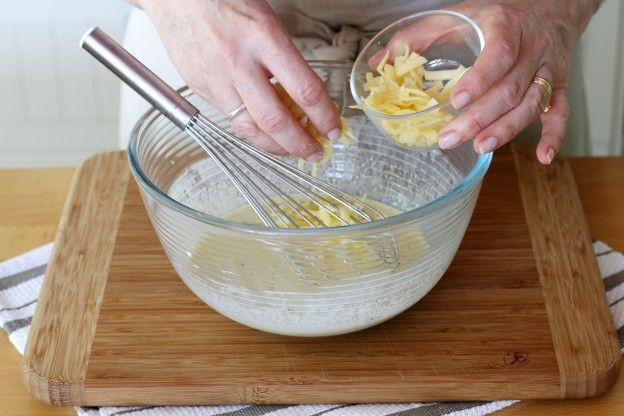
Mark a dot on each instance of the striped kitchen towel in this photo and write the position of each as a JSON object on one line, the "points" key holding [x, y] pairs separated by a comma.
{"points": [[20, 282]]}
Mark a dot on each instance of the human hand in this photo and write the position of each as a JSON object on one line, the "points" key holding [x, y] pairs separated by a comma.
{"points": [[227, 52], [523, 39]]}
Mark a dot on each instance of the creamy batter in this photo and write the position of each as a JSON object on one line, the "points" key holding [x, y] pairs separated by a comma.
{"points": [[307, 285]]}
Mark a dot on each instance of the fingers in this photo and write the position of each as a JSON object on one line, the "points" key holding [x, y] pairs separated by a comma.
{"points": [[225, 97], [420, 35], [374, 60], [267, 122], [502, 45], [247, 128], [554, 124], [498, 88], [272, 116], [510, 124], [504, 96], [304, 86], [226, 45]]}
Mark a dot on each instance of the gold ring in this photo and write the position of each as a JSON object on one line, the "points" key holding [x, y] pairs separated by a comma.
{"points": [[547, 88]]}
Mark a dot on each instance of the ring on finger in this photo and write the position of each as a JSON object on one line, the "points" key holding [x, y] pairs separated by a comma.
{"points": [[547, 89], [229, 116]]}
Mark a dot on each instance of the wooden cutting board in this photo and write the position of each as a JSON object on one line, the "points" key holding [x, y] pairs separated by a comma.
{"points": [[521, 312]]}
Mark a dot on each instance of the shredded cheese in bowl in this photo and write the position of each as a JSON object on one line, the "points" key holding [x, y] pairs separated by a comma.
{"points": [[311, 210], [405, 87]]}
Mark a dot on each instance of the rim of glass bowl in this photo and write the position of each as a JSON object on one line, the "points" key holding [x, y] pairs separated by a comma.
{"points": [[468, 182], [358, 60]]}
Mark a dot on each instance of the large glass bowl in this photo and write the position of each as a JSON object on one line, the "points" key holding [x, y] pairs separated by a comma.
{"points": [[308, 282]]}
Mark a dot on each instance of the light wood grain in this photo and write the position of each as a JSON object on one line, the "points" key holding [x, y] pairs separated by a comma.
{"points": [[32, 202], [597, 178], [502, 347], [59, 344], [600, 182], [422, 354], [569, 275]]}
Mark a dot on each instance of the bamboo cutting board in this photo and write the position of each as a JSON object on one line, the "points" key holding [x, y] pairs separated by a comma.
{"points": [[521, 312]]}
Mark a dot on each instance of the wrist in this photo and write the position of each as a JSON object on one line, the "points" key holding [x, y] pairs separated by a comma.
{"points": [[581, 12]]}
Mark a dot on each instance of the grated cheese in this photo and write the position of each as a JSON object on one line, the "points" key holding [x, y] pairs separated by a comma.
{"points": [[405, 87], [346, 135]]}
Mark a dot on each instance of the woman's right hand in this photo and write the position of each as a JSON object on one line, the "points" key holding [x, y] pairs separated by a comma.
{"points": [[227, 52]]}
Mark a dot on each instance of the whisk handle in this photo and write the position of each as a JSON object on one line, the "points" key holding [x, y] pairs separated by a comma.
{"points": [[136, 75]]}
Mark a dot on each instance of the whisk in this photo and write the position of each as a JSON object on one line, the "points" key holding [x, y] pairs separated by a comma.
{"points": [[277, 203]]}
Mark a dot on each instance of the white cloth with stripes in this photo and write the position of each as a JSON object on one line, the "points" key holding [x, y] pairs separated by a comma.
{"points": [[20, 282]]}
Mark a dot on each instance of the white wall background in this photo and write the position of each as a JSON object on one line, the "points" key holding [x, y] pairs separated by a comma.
{"points": [[603, 72], [57, 106]]}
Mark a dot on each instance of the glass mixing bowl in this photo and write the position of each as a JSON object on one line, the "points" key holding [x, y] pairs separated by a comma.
{"points": [[446, 38], [308, 282]]}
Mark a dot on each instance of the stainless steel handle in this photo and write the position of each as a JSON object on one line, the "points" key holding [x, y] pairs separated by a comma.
{"points": [[136, 75]]}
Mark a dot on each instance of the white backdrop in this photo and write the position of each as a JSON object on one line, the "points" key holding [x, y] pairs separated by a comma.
{"points": [[57, 106], [603, 66]]}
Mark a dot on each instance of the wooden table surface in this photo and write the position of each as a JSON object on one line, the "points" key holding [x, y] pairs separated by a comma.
{"points": [[32, 201]]}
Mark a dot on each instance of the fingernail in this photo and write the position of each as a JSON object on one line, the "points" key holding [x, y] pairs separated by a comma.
{"points": [[461, 100], [487, 145], [550, 155], [377, 57], [334, 134], [399, 47], [449, 140], [315, 157]]}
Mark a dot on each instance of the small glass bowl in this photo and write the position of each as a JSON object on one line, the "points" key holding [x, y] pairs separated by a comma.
{"points": [[446, 38]]}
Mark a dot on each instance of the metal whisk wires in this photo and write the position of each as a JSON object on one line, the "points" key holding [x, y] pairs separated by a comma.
{"points": [[280, 194]]}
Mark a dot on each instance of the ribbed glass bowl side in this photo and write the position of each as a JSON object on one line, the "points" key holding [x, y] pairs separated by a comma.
{"points": [[308, 282]]}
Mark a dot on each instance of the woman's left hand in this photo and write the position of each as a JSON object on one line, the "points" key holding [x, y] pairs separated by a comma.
{"points": [[523, 40]]}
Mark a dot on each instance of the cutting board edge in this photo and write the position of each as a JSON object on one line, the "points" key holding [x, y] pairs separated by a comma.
{"points": [[578, 378], [373, 393], [61, 381]]}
